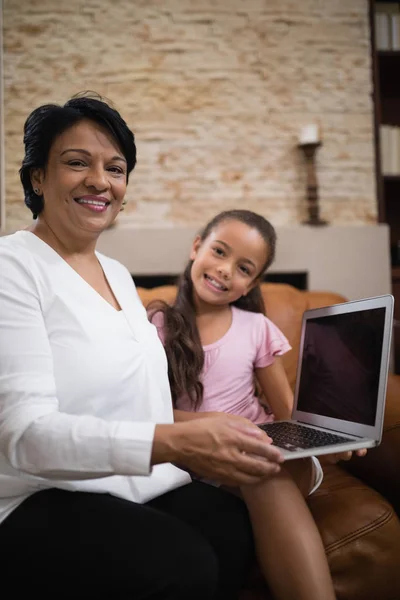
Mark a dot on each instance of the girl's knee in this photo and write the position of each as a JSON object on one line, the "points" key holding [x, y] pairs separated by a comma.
{"points": [[301, 471]]}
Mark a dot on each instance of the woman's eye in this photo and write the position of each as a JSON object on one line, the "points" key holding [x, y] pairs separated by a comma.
{"points": [[219, 251], [117, 170], [76, 163]]}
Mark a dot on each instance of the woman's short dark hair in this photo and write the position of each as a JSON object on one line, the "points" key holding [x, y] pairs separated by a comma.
{"points": [[47, 122]]}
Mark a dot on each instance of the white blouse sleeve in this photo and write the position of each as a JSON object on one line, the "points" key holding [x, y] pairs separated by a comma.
{"points": [[35, 437]]}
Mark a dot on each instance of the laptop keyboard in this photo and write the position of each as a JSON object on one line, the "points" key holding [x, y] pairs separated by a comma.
{"points": [[292, 436]]}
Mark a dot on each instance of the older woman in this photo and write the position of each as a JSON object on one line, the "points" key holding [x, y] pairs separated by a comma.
{"points": [[91, 502]]}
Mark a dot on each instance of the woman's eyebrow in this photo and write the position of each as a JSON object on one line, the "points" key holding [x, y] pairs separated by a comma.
{"points": [[82, 151]]}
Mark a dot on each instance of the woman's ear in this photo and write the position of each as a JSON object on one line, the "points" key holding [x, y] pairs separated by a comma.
{"points": [[37, 178], [195, 247]]}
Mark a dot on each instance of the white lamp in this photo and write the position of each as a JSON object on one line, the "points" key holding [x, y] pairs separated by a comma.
{"points": [[309, 134]]}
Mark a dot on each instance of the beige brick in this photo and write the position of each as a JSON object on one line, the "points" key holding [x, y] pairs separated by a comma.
{"points": [[216, 92]]}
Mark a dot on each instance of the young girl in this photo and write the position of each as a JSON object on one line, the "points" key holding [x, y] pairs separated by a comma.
{"points": [[219, 343]]}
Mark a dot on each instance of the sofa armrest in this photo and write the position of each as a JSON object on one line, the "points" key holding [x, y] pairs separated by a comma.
{"points": [[380, 468]]}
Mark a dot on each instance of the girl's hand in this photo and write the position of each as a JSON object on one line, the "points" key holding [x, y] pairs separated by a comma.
{"points": [[332, 459], [229, 449]]}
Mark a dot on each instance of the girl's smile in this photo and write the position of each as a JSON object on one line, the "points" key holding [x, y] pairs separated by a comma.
{"points": [[227, 264], [214, 284]]}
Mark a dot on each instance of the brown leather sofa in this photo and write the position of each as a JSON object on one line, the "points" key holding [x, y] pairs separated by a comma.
{"points": [[357, 507]]}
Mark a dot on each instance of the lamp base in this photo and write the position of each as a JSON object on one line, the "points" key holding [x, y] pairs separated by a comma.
{"points": [[315, 222]]}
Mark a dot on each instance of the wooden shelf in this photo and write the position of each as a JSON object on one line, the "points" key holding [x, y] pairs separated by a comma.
{"points": [[391, 178], [388, 54], [386, 94], [388, 69], [387, 1]]}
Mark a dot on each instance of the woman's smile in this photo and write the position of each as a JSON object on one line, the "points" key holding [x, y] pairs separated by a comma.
{"points": [[93, 203]]}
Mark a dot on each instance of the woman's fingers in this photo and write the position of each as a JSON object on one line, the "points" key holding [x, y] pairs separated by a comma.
{"points": [[258, 466], [247, 427], [231, 451], [260, 449]]}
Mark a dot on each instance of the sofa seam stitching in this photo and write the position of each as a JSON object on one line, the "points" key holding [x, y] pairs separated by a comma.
{"points": [[377, 524]]}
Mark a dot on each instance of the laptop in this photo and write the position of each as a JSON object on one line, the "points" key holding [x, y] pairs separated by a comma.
{"points": [[341, 380]]}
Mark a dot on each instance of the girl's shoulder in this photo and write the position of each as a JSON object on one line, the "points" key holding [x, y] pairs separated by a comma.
{"points": [[247, 318], [164, 317], [258, 327], [156, 316], [156, 312]]}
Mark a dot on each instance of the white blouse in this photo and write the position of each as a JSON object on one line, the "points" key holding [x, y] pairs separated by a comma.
{"points": [[82, 385]]}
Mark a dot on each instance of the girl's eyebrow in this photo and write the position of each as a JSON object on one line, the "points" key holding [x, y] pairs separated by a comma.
{"points": [[82, 151], [247, 260]]}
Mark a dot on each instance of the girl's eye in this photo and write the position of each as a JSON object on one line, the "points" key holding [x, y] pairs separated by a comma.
{"points": [[244, 270], [219, 251]]}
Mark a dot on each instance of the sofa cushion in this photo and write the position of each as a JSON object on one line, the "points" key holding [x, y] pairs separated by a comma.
{"points": [[361, 535]]}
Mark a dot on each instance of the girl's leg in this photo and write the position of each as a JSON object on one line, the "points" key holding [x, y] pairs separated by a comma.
{"points": [[288, 544]]}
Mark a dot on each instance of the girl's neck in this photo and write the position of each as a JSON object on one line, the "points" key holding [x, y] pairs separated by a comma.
{"points": [[203, 309], [213, 312], [213, 325]]}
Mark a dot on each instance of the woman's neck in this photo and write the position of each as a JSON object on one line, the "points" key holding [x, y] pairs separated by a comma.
{"points": [[65, 245]]}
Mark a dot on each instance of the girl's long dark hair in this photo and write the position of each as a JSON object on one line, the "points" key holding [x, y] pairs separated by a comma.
{"points": [[181, 337]]}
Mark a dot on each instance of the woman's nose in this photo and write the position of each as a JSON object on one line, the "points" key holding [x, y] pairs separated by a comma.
{"points": [[98, 179]]}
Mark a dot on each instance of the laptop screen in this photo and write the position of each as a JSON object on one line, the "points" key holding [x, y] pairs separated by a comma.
{"points": [[340, 365]]}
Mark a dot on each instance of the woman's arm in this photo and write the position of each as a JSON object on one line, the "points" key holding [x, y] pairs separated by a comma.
{"points": [[275, 386], [231, 450], [185, 415], [35, 436]]}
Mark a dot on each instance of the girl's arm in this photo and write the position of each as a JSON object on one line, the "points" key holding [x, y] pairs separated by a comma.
{"points": [[275, 386]]}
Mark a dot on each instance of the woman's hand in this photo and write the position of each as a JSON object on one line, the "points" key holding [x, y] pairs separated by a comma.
{"points": [[227, 448], [332, 459]]}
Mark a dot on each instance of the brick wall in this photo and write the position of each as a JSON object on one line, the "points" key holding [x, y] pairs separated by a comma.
{"points": [[215, 91]]}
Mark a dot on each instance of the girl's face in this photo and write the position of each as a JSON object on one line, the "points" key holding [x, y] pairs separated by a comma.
{"points": [[228, 263]]}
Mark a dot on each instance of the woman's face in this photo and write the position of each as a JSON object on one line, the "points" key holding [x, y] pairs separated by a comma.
{"points": [[84, 182]]}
